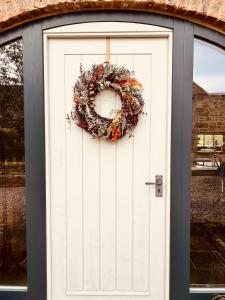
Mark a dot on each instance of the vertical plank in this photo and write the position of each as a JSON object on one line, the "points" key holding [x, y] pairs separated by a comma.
{"points": [[124, 194], [107, 204], [158, 156], [57, 122], [91, 193], [141, 153], [74, 184], [107, 228]]}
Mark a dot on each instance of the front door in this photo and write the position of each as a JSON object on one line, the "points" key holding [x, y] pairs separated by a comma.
{"points": [[108, 233]]}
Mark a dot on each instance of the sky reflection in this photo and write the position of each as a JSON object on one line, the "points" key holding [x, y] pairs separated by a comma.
{"points": [[209, 67]]}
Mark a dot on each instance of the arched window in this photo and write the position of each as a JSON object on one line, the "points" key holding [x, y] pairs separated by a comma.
{"points": [[207, 268], [12, 167]]}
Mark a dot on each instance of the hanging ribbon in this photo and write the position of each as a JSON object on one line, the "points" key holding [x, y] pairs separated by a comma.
{"points": [[107, 50]]}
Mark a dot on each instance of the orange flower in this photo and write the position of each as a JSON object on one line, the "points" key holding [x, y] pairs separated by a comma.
{"points": [[122, 83], [134, 82], [131, 82], [116, 134], [83, 125]]}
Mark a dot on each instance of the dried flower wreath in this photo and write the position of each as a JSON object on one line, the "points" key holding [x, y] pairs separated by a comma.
{"points": [[96, 79]]}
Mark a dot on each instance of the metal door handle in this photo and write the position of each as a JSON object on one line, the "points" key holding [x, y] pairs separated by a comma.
{"points": [[158, 185]]}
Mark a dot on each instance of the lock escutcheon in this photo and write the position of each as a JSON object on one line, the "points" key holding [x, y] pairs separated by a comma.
{"points": [[158, 185]]}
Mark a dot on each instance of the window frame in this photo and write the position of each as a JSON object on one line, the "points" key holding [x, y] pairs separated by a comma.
{"points": [[14, 36], [7, 38], [184, 33], [34, 164], [217, 39]]}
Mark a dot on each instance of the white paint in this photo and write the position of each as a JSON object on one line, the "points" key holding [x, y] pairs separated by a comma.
{"points": [[107, 233], [109, 28], [207, 290], [107, 103], [7, 288]]}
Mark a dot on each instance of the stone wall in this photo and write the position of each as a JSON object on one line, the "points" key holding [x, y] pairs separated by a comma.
{"points": [[210, 13], [208, 115], [208, 112], [208, 200]]}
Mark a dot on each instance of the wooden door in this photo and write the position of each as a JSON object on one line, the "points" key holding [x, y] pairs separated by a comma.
{"points": [[108, 235]]}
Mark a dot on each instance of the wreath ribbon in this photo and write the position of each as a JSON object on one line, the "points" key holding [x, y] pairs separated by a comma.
{"points": [[107, 52]]}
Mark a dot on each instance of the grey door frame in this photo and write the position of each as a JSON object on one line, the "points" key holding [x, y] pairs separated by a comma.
{"points": [[183, 37]]}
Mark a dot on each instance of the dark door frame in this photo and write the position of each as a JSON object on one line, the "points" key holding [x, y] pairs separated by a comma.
{"points": [[183, 37]]}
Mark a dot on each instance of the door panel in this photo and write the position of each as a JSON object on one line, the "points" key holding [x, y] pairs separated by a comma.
{"points": [[107, 230]]}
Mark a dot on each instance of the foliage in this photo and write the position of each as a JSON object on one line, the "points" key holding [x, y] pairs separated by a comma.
{"points": [[96, 79], [11, 102]]}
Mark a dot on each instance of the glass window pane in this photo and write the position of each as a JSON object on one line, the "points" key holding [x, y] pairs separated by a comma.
{"points": [[200, 140], [208, 140], [207, 263], [12, 169], [209, 66], [218, 141]]}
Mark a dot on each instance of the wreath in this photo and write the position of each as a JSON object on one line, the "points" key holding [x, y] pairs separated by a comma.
{"points": [[96, 79]]}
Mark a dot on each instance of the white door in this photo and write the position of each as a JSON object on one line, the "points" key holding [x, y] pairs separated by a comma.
{"points": [[108, 235]]}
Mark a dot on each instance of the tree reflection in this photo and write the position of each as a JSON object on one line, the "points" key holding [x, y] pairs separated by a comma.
{"points": [[12, 180]]}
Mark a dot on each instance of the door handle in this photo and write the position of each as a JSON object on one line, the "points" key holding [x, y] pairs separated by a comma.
{"points": [[158, 185]]}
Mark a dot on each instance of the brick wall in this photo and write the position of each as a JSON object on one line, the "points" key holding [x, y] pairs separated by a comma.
{"points": [[208, 115], [208, 112], [210, 13]]}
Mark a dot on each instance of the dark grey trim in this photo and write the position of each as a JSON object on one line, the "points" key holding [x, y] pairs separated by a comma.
{"points": [[5, 38], [13, 296], [35, 161], [108, 16], [217, 39], [209, 35], [180, 156], [201, 296], [180, 152], [10, 36]]}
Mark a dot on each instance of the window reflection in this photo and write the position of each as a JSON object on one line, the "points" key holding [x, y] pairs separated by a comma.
{"points": [[12, 170], [209, 66], [207, 264]]}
